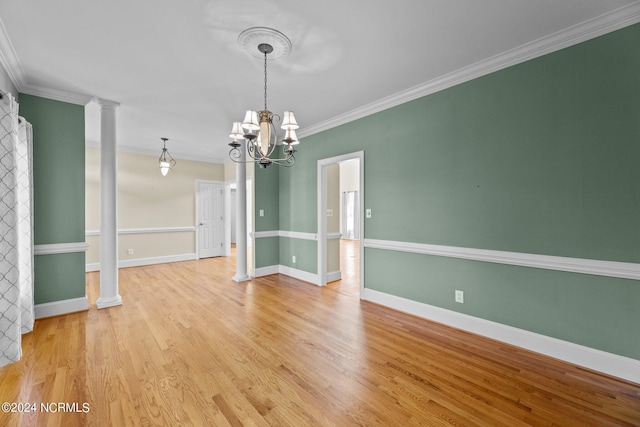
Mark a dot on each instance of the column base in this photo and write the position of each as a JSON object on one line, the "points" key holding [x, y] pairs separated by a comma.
{"points": [[109, 302], [241, 278]]}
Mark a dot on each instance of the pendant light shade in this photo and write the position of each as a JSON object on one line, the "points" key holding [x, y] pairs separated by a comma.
{"points": [[236, 131], [250, 121], [166, 161], [289, 121]]}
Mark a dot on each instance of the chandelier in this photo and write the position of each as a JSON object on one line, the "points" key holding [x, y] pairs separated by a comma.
{"points": [[258, 127], [165, 162]]}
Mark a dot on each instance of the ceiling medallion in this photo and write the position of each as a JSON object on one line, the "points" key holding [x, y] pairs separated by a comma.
{"points": [[251, 38]]}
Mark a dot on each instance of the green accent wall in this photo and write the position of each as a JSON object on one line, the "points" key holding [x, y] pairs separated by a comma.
{"points": [[538, 158], [267, 251], [594, 311], [59, 277], [266, 198], [305, 251], [58, 184]]}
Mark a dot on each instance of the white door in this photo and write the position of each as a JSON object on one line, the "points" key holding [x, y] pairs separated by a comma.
{"points": [[210, 218]]}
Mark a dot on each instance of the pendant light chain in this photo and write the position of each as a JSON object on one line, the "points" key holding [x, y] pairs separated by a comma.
{"points": [[265, 81]]}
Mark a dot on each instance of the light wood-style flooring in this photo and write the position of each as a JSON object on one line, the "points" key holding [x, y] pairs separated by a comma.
{"points": [[190, 347]]}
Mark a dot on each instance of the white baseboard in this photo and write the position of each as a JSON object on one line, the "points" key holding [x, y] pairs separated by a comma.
{"points": [[57, 308], [145, 261], [265, 271], [334, 276], [305, 276], [597, 360]]}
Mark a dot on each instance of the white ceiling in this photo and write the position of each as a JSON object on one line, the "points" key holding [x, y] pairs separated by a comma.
{"points": [[178, 72]]}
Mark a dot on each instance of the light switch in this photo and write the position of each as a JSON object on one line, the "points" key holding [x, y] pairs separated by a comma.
{"points": [[368, 213], [329, 212], [261, 212]]}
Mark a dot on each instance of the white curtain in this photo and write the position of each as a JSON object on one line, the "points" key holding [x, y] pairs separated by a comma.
{"points": [[16, 229]]}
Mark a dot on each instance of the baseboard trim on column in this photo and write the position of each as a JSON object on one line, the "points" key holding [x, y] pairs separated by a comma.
{"points": [[109, 302], [241, 278]]}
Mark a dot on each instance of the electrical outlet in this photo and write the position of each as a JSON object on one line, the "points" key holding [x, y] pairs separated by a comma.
{"points": [[460, 296], [368, 213], [130, 251], [293, 259], [329, 212]]}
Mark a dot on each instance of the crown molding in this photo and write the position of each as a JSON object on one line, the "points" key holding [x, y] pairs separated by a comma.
{"points": [[11, 63], [105, 103], [587, 30], [9, 59], [56, 94]]}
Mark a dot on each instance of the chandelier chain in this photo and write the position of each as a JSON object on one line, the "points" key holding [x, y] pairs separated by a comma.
{"points": [[265, 81]]}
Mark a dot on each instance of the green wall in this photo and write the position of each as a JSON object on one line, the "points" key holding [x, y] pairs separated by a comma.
{"points": [[266, 198], [58, 183], [539, 158]]}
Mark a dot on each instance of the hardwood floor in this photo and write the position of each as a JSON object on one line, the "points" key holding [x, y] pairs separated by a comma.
{"points": [[191, 347]]}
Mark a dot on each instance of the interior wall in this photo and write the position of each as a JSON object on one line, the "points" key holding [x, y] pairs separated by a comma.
{"points": [[153, 210], [539, 158], [350, 176], [229, 171], [266, 214], [59, 196]]}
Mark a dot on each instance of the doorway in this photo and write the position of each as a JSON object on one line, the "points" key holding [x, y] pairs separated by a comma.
{"points": [[209, 219], [353, 221]]}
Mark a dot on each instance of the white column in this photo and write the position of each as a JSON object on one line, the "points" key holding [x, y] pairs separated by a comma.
{"points": [[109, 295], [241, 218]]}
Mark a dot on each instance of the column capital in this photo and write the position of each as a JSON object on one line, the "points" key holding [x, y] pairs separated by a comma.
{"points": [[106, 104]]}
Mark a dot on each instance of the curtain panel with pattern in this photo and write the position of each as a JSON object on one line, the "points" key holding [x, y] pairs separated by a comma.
{"points": [[16, 229]]}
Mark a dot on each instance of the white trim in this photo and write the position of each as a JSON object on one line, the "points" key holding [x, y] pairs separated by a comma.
{"points": [[94, 266], [334, 236], [60, 248], [146, 230], [624, 270], [601, 361], [57, 94], [145, 261], [57, 308], [334, 276], [10, 61], [283, 233], [265, 271], [305, 276], [298, 235], [603, 24], [262, 234], [106, 302]]}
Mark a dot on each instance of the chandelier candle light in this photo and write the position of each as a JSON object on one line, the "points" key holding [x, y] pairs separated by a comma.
{"points": [[258, 127], [165, 161]]}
